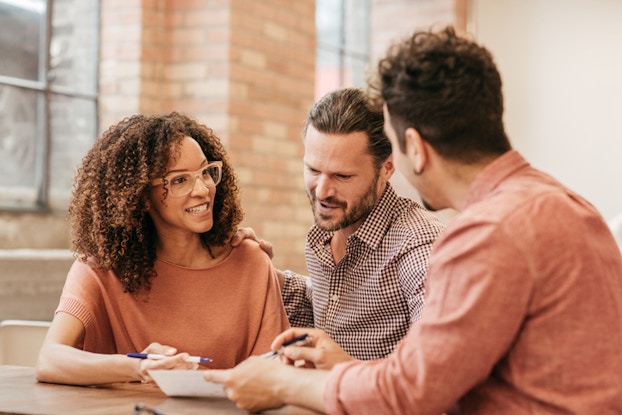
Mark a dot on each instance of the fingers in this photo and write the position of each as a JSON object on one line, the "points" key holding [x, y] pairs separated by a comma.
{"points": [[157, 348], [267, 248], [290, 334], [320, 352], [250, 383], [249, 233], [311, 356], [217, 375], [176, 362], [241, 234]]}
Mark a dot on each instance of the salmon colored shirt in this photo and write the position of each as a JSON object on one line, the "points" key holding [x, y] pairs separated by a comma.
{"points": [[227, 312], [523, 311]]}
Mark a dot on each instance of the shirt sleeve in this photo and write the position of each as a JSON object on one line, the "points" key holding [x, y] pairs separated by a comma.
{"points": [[297, 299], [411, 271]]}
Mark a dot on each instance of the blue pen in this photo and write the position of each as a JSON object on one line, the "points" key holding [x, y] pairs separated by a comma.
{"points": [[296, 341], [154, 356]]}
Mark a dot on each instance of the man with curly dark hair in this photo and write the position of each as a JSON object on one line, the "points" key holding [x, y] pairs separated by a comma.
{"points": [[154, 206], [523, 309]]}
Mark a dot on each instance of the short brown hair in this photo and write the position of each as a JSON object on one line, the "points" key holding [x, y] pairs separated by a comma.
{"points": [[346, 111]]}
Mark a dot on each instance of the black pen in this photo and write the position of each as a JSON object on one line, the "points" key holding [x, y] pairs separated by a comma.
{"points": [[296, 341]]}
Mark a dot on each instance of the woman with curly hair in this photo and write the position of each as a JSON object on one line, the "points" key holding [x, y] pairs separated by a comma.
{"points": [[154, 206]]}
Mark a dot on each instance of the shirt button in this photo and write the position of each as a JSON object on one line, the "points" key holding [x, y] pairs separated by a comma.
{"points": [[334, 297]]}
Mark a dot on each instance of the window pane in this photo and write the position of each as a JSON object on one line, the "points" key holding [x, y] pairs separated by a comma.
{"points": [[356, 27], [328, 23], [327, 72], [18, 131], [73, 49], [355, 71], [73, 130], [342, 44], [21, 37]]}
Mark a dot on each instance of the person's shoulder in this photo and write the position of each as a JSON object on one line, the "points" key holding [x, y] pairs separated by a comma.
{"points": [[250, 248], [410, 215], [85, 265], [84, 276]]}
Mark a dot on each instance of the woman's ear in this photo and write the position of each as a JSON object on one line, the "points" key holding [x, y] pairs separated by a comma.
{"points": [[415, 150]]}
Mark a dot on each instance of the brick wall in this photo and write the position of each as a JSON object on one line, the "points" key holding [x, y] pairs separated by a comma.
{"points": [[272, 86], [246, 69]]}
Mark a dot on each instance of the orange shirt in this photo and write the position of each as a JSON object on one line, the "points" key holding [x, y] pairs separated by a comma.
{"points": [[523, 311], [227, 312]]}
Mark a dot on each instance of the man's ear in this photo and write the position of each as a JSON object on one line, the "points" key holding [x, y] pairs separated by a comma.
{"points": [[416, 151], [388, 168]]}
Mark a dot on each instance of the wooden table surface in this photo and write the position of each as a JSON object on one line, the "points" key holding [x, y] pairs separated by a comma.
{"points": [[20, 393]]}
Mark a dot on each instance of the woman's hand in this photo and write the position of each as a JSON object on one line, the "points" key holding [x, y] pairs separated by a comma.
{"points": [[173, 361]]}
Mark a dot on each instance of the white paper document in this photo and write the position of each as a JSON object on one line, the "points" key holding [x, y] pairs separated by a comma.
{"points": [[186, 383]]}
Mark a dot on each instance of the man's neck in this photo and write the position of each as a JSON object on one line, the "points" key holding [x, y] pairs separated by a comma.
{"points": [[458, 180], [340, 239]]}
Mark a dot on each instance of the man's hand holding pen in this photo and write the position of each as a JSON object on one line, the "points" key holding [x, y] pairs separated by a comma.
{"points": [[318, 351], [261, 383]]}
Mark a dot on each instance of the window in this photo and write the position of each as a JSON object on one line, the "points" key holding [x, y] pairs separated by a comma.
{"points": [[343, 37], [48, 98]]}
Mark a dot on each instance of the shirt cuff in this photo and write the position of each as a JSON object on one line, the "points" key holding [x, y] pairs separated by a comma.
{"points": [[332, 390]]}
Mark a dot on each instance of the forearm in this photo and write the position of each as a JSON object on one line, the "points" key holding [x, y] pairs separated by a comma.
{"points": [[67, 365], [304, 388]]}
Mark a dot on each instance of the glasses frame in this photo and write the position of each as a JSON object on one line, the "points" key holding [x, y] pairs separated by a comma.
{"points": [[140, 409], [164, 181]]}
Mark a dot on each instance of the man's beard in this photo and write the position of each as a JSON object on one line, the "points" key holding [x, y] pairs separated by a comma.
{"points": [[360, 209]]}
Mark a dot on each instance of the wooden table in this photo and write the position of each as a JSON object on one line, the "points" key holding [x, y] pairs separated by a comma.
{"points": [[20, 393]]}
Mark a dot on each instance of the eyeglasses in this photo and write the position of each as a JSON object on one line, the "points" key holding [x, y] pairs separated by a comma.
{"points": [[141, 409], [180, 184]]}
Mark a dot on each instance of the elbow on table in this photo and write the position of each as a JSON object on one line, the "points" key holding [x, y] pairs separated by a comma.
{"points": [[45, 371]]}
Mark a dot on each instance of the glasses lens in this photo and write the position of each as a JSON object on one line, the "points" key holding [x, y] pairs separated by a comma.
{"points": [[213, 172], [180, 184]]}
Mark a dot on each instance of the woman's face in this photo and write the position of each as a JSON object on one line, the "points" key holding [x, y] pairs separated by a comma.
{"points": [[184, 215]]}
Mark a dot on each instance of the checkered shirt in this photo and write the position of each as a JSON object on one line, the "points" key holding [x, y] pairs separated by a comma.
{"points": [[367, 301]]}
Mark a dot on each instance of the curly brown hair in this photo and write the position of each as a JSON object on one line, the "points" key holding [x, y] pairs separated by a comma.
{"points": [[448, 88], [107, 214]]}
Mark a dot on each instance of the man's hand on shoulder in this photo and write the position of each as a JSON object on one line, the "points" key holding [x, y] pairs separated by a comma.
{"points": [[249, 233]]}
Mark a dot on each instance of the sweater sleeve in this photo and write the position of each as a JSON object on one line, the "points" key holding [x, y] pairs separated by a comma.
{"points": [[82, 298], [273, 317]]}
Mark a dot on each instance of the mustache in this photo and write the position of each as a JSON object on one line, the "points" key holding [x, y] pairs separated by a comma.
{"points": [[329, 201]]}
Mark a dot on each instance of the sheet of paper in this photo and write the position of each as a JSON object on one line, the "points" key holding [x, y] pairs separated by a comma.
{"points": [[186, 383]]}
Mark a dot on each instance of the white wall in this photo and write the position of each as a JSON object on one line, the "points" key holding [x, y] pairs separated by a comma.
{"points": [[561, 64]]}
